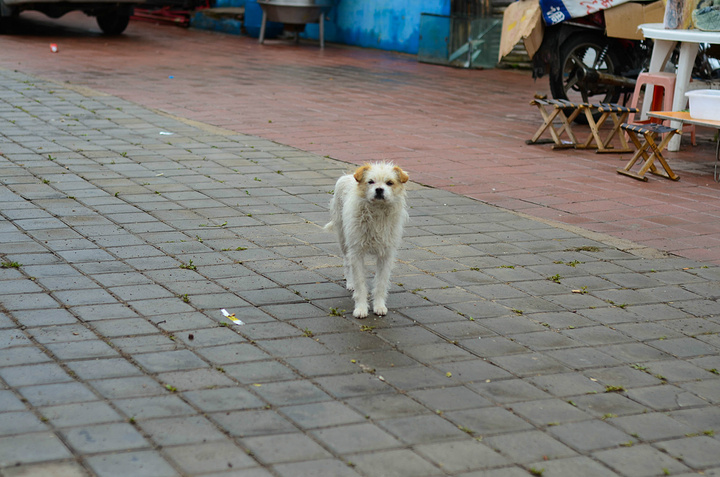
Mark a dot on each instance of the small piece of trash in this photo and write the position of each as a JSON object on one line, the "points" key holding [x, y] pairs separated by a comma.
{"points": [[53, 47], [165, 133], [171, 77], [381, 378], [231, 317]]}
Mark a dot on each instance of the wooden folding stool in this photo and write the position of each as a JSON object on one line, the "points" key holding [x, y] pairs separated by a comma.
{"points": [[619, 115], [560, 106], [650, 132]]}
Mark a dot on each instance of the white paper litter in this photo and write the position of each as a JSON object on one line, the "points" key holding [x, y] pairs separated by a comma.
{"points": [[231, 317]]}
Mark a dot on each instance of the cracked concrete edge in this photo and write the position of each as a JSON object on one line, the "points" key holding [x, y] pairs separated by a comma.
{"points": [[616, 242]]}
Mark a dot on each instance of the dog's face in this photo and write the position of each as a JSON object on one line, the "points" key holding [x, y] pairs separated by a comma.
{"points": [[381, 182]]}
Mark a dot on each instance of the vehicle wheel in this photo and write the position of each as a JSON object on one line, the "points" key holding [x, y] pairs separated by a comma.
{"points": [[578, 54], [114, 22]]}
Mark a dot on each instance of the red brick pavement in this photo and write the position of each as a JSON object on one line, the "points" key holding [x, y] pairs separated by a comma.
{"points": [[451, 128]]}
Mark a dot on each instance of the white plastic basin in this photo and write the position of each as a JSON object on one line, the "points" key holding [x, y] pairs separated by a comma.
{"points": [[704, 104]]}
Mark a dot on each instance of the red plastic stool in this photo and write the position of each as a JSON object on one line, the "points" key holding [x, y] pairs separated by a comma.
{"points": [[662, 98]]}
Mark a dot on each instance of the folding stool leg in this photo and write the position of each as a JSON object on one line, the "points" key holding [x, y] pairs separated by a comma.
{"points": [[566, 127], [617, 122], [548, 119], [657, 153], [594, 130], [636, 157]]}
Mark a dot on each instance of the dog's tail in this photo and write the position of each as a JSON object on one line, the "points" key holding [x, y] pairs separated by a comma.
{"points": [[329, 227]]}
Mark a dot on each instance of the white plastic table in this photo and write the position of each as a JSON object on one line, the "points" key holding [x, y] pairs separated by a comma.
{"points": [[665, 41]]}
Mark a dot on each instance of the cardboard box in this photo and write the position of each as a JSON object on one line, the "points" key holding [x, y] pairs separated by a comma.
{"points": [[521, 21], [623, 21]]}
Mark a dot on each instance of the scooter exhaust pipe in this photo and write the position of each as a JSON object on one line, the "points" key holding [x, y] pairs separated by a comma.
{"points": [[588, 75]]}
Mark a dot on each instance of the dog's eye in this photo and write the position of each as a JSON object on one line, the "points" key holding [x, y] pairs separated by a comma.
{"points": [[371, 181], [390, 183]]}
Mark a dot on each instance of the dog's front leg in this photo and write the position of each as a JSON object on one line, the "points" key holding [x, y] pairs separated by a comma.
{"points": [[357, 265], [382, 283], [348, 271]]}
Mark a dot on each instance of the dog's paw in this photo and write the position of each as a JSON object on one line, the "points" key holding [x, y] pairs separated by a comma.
{"points": [[380, 310], [350, 286], [360, 312]]}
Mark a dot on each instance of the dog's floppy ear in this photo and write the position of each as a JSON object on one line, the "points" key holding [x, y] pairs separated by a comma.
{"points": [[401, 175], [360, 172]]}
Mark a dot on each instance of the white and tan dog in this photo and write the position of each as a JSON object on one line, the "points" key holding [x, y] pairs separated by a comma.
{"points": [[368, 212]]}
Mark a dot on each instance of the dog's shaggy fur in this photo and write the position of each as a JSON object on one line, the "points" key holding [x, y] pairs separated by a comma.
{"points": [[368, 212]]}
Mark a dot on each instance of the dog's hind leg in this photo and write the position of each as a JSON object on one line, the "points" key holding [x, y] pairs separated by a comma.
{"points": [[360, 294], [382, 283]]}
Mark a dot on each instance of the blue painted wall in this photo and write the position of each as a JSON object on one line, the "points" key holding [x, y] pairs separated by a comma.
{"points": [[384, 24]]}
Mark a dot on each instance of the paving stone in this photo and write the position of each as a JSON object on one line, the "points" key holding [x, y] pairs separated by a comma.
{"points": [[450, 398], [80, 414], [509, 391], [566, 384], [607, 403], [623, 376], [14, 423], [394, 463], [461, 456], [315, 467], [529, 364], [9, 402], [665, 397], [487, 421], [125, 387], [701, 419], [46, 317], [291, 392], [45, 373], [154, 406], [81, 350], [683, 347], [103, 368], [253, 423], [695, 452], [124, 327], [321, 414], [282, 448], [549, 412], [213, 457], [31, 448], [181, 430], [352, 438], [55, 469], [195, 379], [527, 447], [223, 399], [640, 461], [104, 438], [348, 386], [61, 393], [259, 372], [571, 466], [170, 361], [589, 436], [292, 347], [139, 463]]}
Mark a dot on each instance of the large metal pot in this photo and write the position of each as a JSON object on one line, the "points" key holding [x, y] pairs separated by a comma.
{"points": [[294, 12]]}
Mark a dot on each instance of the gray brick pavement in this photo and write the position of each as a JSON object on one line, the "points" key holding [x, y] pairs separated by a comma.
{"points": [[512, 346]]}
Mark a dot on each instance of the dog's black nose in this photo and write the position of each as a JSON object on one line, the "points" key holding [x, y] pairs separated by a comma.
{"points": [[379, 193]]}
